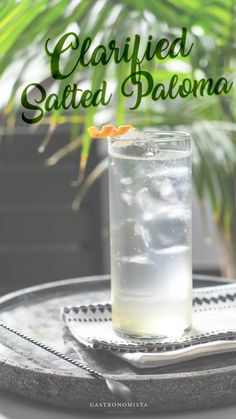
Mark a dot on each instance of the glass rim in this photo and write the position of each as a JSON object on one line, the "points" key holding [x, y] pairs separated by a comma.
{"points": [[159, 136]]}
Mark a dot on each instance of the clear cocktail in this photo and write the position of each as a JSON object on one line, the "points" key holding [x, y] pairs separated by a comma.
{"points": [[150, 231]]}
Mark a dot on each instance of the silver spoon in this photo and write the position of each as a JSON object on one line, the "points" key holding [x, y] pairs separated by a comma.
{"points": [[119, 390]]}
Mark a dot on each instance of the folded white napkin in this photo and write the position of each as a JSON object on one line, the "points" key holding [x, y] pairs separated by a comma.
{"points": [[213, 331]]}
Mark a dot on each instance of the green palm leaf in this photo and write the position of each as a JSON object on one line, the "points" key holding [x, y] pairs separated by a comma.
{"points": [[214, 55]]}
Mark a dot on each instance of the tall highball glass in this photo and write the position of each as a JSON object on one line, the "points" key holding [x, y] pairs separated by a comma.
{"points": [[151, 234]]}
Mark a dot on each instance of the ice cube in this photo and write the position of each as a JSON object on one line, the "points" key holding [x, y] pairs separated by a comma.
{"points": [[127, 197], [162, 189], [128, 239], [168, 228], [142, 149], [169, 172], [151, 150], [126, 181], [144, 199], [167, 190]]}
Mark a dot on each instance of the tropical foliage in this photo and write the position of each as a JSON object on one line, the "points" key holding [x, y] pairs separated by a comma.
{"points": [[212, 120]]}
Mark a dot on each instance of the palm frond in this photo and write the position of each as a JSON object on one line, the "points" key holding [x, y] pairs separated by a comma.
{"points": [[214, 139]]}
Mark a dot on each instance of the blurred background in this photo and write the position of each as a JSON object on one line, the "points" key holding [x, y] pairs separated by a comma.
{"points": [[53, 179]]}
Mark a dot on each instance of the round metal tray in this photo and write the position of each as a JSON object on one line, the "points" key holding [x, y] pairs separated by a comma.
{"points": [[34, 373]]}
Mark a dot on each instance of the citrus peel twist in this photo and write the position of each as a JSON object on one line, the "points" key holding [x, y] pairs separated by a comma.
{"points": [[109, 131]]}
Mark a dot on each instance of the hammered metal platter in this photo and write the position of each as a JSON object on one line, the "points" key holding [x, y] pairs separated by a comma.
{"points": [[36, 374]]}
